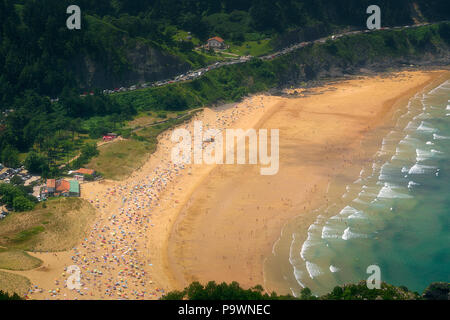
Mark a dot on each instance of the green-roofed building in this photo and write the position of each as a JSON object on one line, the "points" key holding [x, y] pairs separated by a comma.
{"points": [[74, 190]]}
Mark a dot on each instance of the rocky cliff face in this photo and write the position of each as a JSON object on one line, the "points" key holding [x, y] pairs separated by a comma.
{"points": [[325, 62], [301, 34], [139, 63]]}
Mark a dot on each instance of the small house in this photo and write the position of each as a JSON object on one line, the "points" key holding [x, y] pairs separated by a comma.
{"points": [[84, 171], [62, 188], [216, 43], [51, 186]]}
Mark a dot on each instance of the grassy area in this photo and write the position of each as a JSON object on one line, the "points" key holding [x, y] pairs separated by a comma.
{"points": [[57, 227], [118, 160], [182, 35], [13, 283], [253, 48], [147, 118], [210, 58], [18, 260]]}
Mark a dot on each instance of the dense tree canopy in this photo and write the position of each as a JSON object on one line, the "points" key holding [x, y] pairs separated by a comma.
{"points": [[16, 197], [357, 291]]}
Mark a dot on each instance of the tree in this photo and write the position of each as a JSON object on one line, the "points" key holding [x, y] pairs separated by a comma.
{"points": [[16, 180], [306, 294], [89, 177], [36, 163], [8, 193], [223, 291], [7, 296], [10, 157], [437, 291], [21, 203]]}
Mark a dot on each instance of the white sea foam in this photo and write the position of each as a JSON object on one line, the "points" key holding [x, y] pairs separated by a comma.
{"points": [[412, 125], [389, 192], [313, 269], [425, 127], [348, 211], [412, 184], [313, 239], [358, 200], [351, 213], [334, 269], [423, 155], [357, 215], [422, 116], [408, 140], [348, 234], [441, 86], [298, 274], [306, 245], [329, 232], [420, 169], [313, 227], [438, 137]]}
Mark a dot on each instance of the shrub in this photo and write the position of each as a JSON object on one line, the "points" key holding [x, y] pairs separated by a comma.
{"points": [[21, 203]]}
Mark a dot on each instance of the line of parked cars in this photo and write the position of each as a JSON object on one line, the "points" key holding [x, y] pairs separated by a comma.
{"points": [[7, 175], [190, 75]]}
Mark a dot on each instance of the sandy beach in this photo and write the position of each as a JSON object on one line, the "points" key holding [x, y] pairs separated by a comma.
{"points": [[167, 225], [231, 222]]}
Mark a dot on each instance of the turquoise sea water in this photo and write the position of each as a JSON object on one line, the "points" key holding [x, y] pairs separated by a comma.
{"points": [[396, 215]]}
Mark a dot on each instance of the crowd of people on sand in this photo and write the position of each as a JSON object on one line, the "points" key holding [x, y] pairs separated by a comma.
{"points": [[114, 257]]}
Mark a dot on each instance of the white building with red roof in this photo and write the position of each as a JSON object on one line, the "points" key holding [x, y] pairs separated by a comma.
{"points": [[216, 43]]}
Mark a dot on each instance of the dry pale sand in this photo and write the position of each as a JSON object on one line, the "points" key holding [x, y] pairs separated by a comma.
{"points": [[167, 225]]}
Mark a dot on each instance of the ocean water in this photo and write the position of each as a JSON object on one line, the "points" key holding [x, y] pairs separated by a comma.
{"points": [[395, 215]]}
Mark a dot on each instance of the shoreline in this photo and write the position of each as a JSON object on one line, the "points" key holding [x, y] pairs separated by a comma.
{"points": [[277, 270], [195, 253], [160, 229]]}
